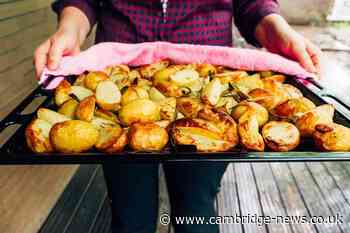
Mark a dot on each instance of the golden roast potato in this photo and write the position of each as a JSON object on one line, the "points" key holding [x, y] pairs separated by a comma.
{"points": [[307, 122], [332, 137], [108, 95], [248, 130], [228, 103], [277, 77], [264, 98], [205, 70], [51, 116], [73, 136], [293, 108], [68, 108], [100, 122], [120, 144], [119, 74], [155, 94], [108, 115], [86, 109], [92, 79], [189, 106], [167, 109], [212, 91], [107, 137], [139, 110], [248, 83], [277, 90], [148, 71], [133, 93], [81, 92], [62, 92], [80, 80], [281, 136], [292, 91], [37, 136], [259, 111], [147, 137]]}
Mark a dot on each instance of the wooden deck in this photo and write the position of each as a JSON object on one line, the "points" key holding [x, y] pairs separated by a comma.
{"points": [[289, 189]]}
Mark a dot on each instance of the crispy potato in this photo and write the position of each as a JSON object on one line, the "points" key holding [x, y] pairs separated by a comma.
{"points": [[332, 137], [92, 79], [62, 92], [108, 96], [86, 109], [162, 82], [292, 92], [147, 137], [163, 123], [230, 76], [148, 71], [168, 109], [133, 93], [119, 145], [243, 107], [139, 110], [108, 115], [37, 136], [277, 90], [81, 92], [73, 136], [280, 78], [119, 74], [281, 136], [212, 91], [248, 130], [68, 108], [155, 94], [51, 116], [307, 122], [267, 73], [107, 137], [134, 75], [228, 103], [264, 98], [187, 78], [99, 122], [189, 106], [205, 70], [293, 107], [247, 83], [80, 80]]}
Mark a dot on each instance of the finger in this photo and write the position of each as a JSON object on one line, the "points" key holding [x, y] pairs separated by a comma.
{"points": [[304, 58], [315, 54], [40, 57], [56, 52]]}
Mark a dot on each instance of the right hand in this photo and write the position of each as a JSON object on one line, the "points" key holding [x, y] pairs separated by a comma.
{"points": [[63, 43]]}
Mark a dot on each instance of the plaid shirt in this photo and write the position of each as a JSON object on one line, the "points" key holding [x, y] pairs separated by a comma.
{"points": [[206, 22]]}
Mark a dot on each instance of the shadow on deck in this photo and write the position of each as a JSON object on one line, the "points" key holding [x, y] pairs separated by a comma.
{"points": [[289, 189]]}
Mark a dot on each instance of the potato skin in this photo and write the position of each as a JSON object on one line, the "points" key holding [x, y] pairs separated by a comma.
{"points": [[189, 106], [133, 93], [293, 107], [62, 92], [93, 78], [140, 110], [37, 136], [248, 129], [281, 136], [86, 109], [107, 137], [73, 136], [332, 137], [119, 145], [147, 137], [243, 107], [68, 108]]}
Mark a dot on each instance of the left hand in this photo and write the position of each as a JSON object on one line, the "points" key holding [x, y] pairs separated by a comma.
{"points": [[277, 36]]}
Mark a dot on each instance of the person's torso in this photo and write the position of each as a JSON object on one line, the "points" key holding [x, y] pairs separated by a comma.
{"points": [[197, 22]]}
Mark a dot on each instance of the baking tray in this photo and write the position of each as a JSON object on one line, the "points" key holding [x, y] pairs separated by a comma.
{"points": [[15, 150]]}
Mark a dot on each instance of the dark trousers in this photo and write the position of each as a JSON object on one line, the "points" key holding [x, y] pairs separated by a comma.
{"points": [[133, 189]]}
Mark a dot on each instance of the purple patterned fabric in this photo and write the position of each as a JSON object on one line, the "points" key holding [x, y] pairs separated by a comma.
{"points": [[207, 22]]}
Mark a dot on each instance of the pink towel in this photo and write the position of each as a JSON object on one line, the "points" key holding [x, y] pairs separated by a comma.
{"points": [[104, 54]]}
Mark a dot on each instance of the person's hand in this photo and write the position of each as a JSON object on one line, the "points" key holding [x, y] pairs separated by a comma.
{"points": [[64, 42], [277, 36]]}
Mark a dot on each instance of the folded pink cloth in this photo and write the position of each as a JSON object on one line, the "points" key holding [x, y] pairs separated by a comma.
{"points": [[104, 54]]}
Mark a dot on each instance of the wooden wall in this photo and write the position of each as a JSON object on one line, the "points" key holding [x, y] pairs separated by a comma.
{"points": [[27, 193]]}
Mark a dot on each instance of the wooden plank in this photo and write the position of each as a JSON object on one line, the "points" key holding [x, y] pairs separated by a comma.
{"points": [[104, 220], [69, 200], [331, 193], [19, 7], [248, 196], [18, 23], [313, 197], [270, 196], [293, 201], [85, 216], [28, 194], [228, 201]]}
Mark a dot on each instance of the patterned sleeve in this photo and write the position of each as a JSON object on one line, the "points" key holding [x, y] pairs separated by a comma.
{"points": [[88, 7], [248, 14]]}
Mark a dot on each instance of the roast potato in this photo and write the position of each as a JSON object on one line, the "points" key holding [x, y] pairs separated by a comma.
{"points": [[205, 70], [86, 109], [108, 115], [281, 136], [277, 90], [155, 94], [264, 98], [51, 116], [92, 79], [62, 92], [81, 92], [73, 136], [243, 107], [277, 77], [212, 91], [147, 137], [119, 145], [108, 96], [248, 130], [167, 109], [37, 136], [248, 83], [68, 108], [189, 106], [292, 92], [332, 137], [80, 80], [293, 108], [307, 122], [148, 71], [99, 122], [133, 93], [228, 103], [108, 136], [139, 110], [187, 78]]}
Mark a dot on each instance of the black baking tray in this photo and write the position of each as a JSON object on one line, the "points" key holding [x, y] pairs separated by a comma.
{"points": [[15, 150]]}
